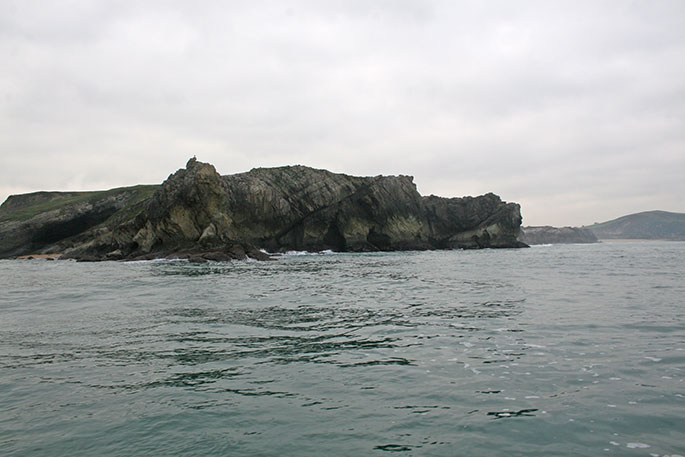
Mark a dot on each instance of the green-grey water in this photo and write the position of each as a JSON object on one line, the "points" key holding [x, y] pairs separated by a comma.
{"points": [[551, 351]]}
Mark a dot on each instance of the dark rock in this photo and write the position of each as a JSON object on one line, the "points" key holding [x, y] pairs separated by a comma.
{"points": [[89, 258], [237, 252], [197, 259], [198, 214], [145, 257], [259, 255]]}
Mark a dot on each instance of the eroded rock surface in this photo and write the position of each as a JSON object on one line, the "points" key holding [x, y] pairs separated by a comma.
{"points": [[200, 215]]}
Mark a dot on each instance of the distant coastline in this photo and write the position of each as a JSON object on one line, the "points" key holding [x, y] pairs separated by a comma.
{"points": [[533, 235], [647, 225], [634, 240]]}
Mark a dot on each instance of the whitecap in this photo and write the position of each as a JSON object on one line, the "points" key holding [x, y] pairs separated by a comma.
{"points": [[301, 253], [162, 260], [637, 445]]}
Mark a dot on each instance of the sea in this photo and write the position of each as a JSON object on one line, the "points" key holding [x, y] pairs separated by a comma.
{"points": [[560, 350]]}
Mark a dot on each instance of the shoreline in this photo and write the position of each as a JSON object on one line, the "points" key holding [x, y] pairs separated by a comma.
{"points": [[633, 240]]}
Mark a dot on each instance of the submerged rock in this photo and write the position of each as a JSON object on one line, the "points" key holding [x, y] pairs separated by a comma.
{"points": [[202, 215]]}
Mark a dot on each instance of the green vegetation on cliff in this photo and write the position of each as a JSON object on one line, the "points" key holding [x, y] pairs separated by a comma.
{"points": [[648, 225], [24, 207]]}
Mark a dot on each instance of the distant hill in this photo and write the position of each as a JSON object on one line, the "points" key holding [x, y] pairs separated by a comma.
{"points": [[650, 225]]}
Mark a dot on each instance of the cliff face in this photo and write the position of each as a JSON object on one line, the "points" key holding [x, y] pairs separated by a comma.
{"points": [[556, 235], [32, 223], [197, 212]]}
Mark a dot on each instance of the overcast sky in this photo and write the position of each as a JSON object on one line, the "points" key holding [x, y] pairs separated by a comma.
{"points": [[575, 109]]}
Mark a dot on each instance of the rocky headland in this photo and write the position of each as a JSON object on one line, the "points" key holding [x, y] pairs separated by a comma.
{"points": [[200, 215], [556, 235]]}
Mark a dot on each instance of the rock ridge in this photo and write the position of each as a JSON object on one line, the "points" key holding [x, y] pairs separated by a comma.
{"points": [[198, 214]]}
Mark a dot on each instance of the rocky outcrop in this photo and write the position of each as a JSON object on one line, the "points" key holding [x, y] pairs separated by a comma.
{"points": [[38, 222], [556, 235], [198, 214]]}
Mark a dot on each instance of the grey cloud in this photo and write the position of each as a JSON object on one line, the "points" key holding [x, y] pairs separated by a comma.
{"points": [[575, 109]]}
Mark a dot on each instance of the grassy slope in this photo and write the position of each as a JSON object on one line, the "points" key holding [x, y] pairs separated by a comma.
{"points": [[57, 200], [646, 225]]}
